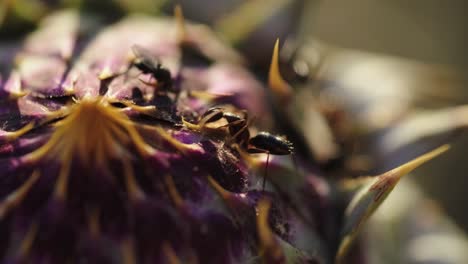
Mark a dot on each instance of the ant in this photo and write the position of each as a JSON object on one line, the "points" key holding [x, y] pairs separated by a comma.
{"points": [[237, 123], [147, 63], [238, 131], [265, 142]]}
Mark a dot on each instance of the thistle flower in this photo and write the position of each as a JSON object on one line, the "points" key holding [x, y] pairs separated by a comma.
{"points": [[105, 162]]}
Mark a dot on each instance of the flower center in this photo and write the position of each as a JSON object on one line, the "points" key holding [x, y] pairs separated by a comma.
{"points": [[93, 131]]}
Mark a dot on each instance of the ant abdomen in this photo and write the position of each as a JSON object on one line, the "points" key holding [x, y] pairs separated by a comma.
{"points": [[265, 142]]}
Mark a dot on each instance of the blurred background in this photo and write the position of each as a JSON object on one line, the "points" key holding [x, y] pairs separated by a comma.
{"points": [[398, 68], [432, 33]]}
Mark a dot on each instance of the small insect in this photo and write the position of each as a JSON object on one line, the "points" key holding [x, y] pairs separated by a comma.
{"points": [[238, 133], [148, 64], [237, 123], [265, 142]]}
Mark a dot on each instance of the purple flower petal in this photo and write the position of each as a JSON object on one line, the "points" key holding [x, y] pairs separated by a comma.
{"points": [[42, 75], [56, 36], [97, 165]]}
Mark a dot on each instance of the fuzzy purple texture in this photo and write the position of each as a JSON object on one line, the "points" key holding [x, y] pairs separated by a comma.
{"points": [[101, 219]]}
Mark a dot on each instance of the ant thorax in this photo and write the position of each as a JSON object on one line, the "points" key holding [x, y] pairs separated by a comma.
{"points": [[225, 121], [218, 127]]}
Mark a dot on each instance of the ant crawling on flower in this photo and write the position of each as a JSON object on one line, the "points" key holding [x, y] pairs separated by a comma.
{"points": [[238, 133], [147, 63]]}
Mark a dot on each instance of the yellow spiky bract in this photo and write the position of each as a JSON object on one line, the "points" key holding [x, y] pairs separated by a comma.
{"points": [[280, 88]]}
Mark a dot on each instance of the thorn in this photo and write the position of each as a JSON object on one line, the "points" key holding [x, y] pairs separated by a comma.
{"points": [[277, 84], [181, 33], [18, 195], [384, 183], [354, 184], [413, 164], [368, 199]]}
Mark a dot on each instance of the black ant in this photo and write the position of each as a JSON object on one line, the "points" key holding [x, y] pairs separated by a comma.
{"points": [[237, 125], [147, 63], [265, 142]]}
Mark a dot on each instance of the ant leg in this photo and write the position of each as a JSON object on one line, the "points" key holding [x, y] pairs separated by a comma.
{"points": [[202, 122], [266, 171], [249, 122], [205, 119], [233, 124]]}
